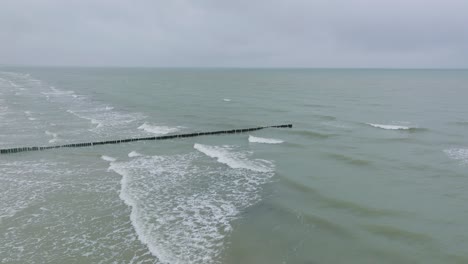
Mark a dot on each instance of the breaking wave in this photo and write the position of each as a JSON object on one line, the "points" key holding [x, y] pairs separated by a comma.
{"points": [[396, 127], [234, 159], [134, 154], [53, 135], [107, 158], [160, 130], [264, 140], [389, 127], [183, 211]]}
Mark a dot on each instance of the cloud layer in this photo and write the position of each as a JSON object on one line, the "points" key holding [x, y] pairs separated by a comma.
{"points": [[241, 33]]}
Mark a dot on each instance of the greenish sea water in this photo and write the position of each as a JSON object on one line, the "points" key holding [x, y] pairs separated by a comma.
{"points": [[375, 169]]}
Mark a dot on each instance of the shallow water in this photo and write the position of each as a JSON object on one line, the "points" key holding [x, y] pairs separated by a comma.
{"points": [[373, 171]]}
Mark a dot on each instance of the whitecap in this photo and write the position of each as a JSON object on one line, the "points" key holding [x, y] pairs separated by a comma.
{"points": [[264, 140], [227, 100], [234, 159], [134, 154], [92, 120], [389, 127], [29, 115], [161, 130], [96, 122], [53, 135], [108, 158], [458, 154]]}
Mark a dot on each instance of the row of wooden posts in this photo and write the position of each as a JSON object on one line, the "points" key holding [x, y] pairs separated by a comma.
{"points": [[77, 145]]}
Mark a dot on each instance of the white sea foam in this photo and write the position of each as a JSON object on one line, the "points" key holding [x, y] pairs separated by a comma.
{"points": [[227, 100], [61, 92], [13, 84], [108, 158], [22, 187], [104, 118], [96, 122], [160, 130], [459, 154], [389, 127], [30, 185], [57, 93], [134, 154], [264, 140], [29, 115], [181, 211], [234, 159], [53, 135]]}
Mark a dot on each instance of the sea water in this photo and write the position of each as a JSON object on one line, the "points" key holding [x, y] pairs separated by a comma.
{"points": [[374, 170]]}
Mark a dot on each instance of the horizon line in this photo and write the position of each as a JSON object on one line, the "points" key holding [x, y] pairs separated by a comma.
{"points": [[229, 67]]}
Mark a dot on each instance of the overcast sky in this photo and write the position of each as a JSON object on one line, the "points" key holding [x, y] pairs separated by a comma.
{"points": [[235, 33]]}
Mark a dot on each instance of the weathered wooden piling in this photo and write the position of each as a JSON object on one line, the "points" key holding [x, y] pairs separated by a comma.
{"points": [[87, 144]]}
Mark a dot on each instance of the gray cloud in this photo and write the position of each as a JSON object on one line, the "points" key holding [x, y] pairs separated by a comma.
{"points": [[256, 33]]}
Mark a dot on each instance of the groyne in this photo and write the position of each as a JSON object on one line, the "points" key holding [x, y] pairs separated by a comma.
{"points": [[89, 144]]}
